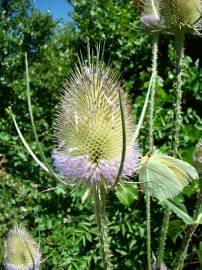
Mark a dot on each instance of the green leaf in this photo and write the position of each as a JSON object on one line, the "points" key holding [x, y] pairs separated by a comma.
{"points": [[4, 136], [175, 229], [127, 193], [180, 210], [199, 216]]}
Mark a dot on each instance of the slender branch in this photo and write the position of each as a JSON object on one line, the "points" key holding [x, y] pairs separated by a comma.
{"points": [[153, 90]]}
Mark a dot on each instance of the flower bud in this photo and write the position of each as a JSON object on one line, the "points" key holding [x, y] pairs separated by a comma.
{"points": [[149, 22], [150, 19], [21, 251]]}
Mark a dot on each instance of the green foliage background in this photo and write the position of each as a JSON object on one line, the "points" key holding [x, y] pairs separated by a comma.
{"points": [[66, 227]]}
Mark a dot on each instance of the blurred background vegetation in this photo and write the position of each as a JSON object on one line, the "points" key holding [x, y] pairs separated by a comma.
{"points": [[64, 226]]}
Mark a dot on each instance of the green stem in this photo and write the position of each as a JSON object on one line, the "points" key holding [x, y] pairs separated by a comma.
{"points": [[179, 260], [162, 241], [178, 120], [148, 212], [177, 125], [151, 142], [182, 253], [99, 194], [153, 90]]}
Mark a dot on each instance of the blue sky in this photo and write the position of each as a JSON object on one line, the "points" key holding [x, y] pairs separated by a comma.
{"points": [[58, 8]]}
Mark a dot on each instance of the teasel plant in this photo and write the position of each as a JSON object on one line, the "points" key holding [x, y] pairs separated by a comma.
{"points": [[178, 17], [21, 252], [150, 24], [90, 135], [96, 142], [92, 110]]}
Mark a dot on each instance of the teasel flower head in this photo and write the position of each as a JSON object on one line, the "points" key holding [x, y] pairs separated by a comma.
{"points": [[150, 18], [181, 15], [21, 251], [88, 128], [197, 156]]}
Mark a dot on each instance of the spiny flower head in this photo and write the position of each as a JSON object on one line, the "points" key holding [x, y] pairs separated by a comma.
{"points": [[150, 18], [89, 127], [182, 15], [21, 251]]}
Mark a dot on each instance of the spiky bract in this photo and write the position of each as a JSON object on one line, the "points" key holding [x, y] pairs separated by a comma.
{"points": [[21, 251], [89, 126], [181, 15], [150, 18]]}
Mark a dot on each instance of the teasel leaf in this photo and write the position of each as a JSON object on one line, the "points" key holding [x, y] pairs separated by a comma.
{"points": [[164, 176], [199, 216], [180, 210], [127, 193]]}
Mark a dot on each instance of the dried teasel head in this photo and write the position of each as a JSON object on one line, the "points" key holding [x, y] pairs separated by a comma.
{"points": [[181, 15], [88, 128]]}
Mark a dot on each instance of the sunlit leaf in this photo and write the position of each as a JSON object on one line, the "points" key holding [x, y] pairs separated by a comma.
{"points": [[127, 193], [180, 210]]}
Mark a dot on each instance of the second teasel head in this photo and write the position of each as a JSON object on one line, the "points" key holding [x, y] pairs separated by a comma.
{"points": [[181, 15]]}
